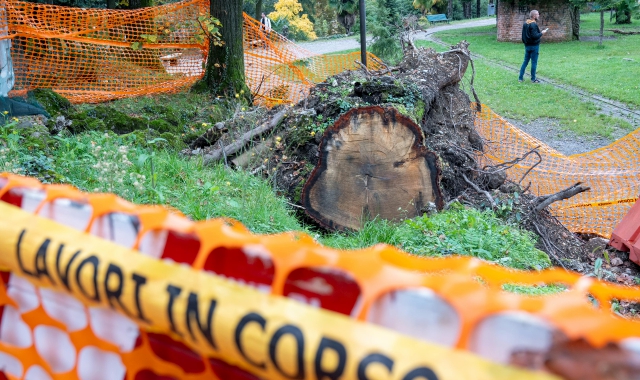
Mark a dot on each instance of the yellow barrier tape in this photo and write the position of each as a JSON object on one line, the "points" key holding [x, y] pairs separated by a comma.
{"points": [[272, 337]]}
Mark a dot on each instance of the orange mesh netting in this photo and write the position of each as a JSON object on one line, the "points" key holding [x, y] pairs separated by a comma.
{"points": [[280, 71], [48, 333], [611, 172], [88, 55]]}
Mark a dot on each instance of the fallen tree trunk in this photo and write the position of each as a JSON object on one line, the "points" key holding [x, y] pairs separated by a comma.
{"points": [[618, 31], [395, 161], [245, 139], [372, 164]]}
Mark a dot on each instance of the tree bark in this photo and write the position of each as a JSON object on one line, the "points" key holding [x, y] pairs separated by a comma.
{"points": [[258, 9], [111, 4], [601, 25], [246, 138], [137, 4], [466, 6], [575, 23], [450, 10], [224, 73], [477, 8], [373, 163]]}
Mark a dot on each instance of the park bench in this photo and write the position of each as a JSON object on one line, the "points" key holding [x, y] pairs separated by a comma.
{"points": [[437, 18]]}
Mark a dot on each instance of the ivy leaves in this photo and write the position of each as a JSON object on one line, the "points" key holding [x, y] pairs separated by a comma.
{"points": [[203, 28]]}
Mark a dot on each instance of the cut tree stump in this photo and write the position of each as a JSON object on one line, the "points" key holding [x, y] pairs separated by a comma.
{"points": [[372, 163]]}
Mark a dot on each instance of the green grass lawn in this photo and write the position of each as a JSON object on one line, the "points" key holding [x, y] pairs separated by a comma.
{"points": [[613, 72], [499, 89]]}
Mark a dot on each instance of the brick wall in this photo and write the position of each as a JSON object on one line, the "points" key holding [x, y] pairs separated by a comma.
{"points": [[555, 15]]}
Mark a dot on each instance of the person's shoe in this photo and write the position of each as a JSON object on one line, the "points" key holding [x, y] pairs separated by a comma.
{"points": [[520, 80], [535, 81]]}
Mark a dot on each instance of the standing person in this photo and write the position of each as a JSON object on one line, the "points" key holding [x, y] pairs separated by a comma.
{"points": [[531, 36], [265, 25]]}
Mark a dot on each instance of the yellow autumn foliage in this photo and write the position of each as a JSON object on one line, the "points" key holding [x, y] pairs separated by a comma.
{"points": [[298, 25]]}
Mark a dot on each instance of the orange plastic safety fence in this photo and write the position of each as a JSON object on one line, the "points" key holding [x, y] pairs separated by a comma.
{"points": [[94, 55], [455, 302], [280, 71], [87, 55], [611, 172]]}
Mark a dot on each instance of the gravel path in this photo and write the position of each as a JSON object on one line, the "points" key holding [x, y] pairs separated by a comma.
{"points": [[347, 43], [564, 141], [332, 46]]}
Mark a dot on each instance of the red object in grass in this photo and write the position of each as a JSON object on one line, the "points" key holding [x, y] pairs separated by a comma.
{"points": [[625, 236]]}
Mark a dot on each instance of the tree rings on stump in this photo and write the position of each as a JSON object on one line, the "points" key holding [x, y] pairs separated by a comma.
{"points": [[372, 163]]}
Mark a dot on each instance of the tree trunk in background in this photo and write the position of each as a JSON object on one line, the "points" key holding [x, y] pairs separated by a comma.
{"points": [[450, 10], [224, 73], [466, 9], [136, 4], [575, 23], [477, 8], [623, 14], [111, 4], [258, 10], [601, 25]]}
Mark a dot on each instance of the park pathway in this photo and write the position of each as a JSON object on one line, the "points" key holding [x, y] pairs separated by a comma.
{"points": [[347, 43]]}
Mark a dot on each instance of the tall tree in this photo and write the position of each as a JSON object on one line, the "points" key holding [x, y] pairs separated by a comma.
{"points": [[624, 10], [136, 4], [224, 73], [309, 7], [424, 6], [466, 8], [289, 10], [477, 8], [386, 28], [258, 9]]}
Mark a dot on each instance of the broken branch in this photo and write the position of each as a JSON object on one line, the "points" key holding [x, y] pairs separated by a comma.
{"points": [[246, 138], [479, 190], [363, 67], [544, 201]]}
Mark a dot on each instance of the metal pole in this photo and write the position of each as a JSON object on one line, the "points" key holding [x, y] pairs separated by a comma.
{"points": [[363, 34]]}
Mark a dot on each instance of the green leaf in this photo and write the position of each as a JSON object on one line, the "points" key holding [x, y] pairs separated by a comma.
{"points": [[142, 159], [152, 38], [136, 45]]}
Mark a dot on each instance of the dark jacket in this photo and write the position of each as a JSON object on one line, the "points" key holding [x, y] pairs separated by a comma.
{"points": [[531, 33]]}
